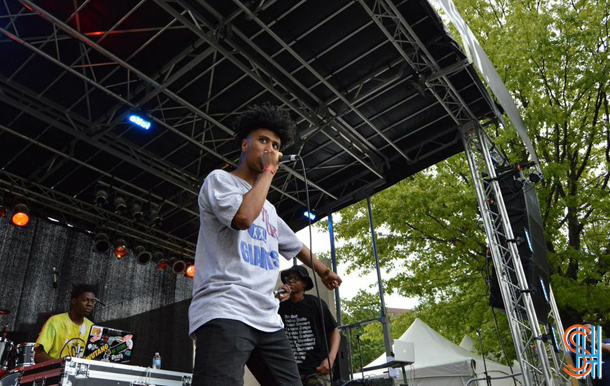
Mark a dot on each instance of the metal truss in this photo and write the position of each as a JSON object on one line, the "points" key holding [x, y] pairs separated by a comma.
{"points": [[73, 208], [540, 364]]}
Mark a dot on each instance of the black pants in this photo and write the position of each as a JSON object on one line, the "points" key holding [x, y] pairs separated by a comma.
{"points": [[224, 346]]}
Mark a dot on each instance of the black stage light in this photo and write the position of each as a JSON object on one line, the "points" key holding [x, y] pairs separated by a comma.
{"points": [[120, 249], [119, 205], [102, 242], [136, 210], [178, 266], [142, 255], [101, 195], [21, 215], [154, 216], [535, 177]]}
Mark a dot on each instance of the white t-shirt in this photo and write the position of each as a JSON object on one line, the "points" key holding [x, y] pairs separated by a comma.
{"points": [[236, 271]]}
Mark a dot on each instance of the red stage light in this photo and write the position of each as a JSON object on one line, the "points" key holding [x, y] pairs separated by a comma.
{"points": [[21, 215], [163, 264], [190, 271], [120, 249]]}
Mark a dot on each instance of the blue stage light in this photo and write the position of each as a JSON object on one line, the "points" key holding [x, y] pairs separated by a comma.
{"points": [[309, 215], [139, 121]]}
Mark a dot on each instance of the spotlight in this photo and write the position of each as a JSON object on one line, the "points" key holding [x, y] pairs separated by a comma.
{"points": [[136, 210], [142, 255], [21, 215], [161, 261], [102, 243], [551, 336], [3, 210], [309, 215], [190, 271], [178, 266], [535, 177], [139, 121], [101, 195], [154, 216], [119, 205], [120, 248]]}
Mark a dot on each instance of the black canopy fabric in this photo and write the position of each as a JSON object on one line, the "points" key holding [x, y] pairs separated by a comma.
{"points": [[379, 90]]}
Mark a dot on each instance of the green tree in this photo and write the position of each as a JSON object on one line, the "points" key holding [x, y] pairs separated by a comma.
{"points": [[553, 57]]}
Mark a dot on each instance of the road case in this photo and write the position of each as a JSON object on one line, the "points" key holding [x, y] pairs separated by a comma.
{"points": [[75, 372]]}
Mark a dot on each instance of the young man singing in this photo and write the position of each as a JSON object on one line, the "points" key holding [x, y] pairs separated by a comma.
{"points": [[309, 328], [233, 315]]}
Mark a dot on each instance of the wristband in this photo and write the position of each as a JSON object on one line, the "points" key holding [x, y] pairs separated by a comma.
{"points": [[270, 168], [325, 274]]}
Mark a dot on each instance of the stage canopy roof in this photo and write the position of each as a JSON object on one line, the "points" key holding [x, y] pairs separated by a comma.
{"points": [[379, 90]]}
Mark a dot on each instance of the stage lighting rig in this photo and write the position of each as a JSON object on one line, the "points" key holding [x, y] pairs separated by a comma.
{"points": [[102, 242], [190, 271], [120, 248], [154, 216], [136, 210], [162, 262], [101, 195], [143, 256], [139, 121], [21, 215], [120, 205], [178, 266]]}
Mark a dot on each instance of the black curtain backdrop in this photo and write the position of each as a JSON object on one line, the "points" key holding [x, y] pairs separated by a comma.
{"points": [[139, 298]]}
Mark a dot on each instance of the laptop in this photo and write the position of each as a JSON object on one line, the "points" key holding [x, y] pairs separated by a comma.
{"points": [[404, 351], [109, 345]]}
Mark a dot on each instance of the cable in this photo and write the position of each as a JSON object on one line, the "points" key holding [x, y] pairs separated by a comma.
{"points": [[315, 279]]}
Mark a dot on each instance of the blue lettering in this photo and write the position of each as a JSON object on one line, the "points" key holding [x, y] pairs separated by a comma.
{"points": [[244, 251], [257, 256], [264, 259], [275, 259]]}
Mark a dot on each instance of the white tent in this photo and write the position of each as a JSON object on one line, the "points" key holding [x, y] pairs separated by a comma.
{"points": [[438, 361]]}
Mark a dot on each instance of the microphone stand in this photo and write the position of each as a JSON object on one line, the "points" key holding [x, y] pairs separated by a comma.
{"points": [[487, 377]]}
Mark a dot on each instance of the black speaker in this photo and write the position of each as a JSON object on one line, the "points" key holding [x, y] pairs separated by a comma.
{"points": [[525, 218], [341, 367]]}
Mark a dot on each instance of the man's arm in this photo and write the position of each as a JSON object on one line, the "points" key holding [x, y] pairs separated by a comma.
{"points": [[335, 340], [330, 279], [40, 355], [253, 201]]}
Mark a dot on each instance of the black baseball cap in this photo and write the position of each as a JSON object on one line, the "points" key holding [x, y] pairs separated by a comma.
{"points": [[299, 269]]}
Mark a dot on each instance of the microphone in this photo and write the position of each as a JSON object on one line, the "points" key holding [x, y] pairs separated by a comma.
{"points": [[289, 158], [100, 302], [54, 277], [280, 291]]}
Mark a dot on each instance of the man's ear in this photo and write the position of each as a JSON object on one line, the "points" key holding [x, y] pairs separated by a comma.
{"points": [[73, 302], [244, 145]]}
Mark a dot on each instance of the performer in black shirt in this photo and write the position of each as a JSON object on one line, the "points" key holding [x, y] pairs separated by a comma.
{"points": [[303, 326]]}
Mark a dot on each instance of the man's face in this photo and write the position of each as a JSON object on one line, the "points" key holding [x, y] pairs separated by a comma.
{"points": [[83, 305], [295, 282], [590, 327], [256, 143]]}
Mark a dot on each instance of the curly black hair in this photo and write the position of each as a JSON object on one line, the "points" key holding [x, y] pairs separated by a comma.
{"points": [[79, 289], [266, 116]]}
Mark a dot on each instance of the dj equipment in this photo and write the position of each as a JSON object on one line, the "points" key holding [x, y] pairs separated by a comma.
{"points": [[76, 372]]}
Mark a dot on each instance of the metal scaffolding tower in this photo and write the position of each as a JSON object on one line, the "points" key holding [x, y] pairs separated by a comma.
{"points": [[540, 363]]}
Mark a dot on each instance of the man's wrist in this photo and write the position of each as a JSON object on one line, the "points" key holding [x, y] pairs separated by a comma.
{"points": [[270, 168], [324, 274]]}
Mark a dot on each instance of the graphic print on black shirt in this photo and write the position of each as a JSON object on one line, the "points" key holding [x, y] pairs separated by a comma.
{"points": [[303, 327]]}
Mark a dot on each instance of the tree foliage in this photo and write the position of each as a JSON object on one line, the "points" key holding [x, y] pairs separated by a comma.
{"points": [[553, 57]]}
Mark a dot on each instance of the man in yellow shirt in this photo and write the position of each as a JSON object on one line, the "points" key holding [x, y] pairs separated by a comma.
{"points": [[66, 334]]}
